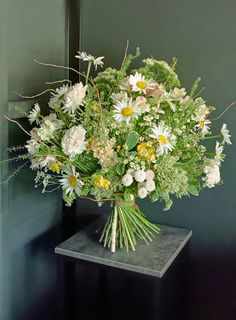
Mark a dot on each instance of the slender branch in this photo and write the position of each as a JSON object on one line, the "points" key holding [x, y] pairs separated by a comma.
{"points": [[221, 115], [19, 125], [59, 81], [35, 96], [199, 92], [57, 66]]}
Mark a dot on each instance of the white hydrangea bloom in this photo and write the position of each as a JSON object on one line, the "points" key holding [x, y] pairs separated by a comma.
{"points": [[49, 126], [74, 98], [142, 193], [212, 171], [150, 175], [140, 175], [150, 185], [127, 180], [73, 142]]}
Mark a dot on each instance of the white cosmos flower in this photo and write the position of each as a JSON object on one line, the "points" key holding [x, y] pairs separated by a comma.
{"points": [[58, 97], [140, 84], [73, 142], [34, 114], [225, 133], [49, 126], [74, 98], [204, 126], [142, 193], [127, 180], [164, 137], [70, 181], [88, 57], [125, 110]]}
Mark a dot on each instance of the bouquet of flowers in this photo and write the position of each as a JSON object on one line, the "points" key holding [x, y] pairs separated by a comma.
{"points": [[123, 135]]}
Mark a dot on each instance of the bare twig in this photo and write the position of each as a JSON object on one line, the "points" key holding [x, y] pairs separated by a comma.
{"points": [[35, 96], [59, 81], [19, 125], [58, 66], [222, 113], [203, 88]]}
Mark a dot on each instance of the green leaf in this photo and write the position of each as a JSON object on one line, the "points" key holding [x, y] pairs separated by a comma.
{"points": [[154, 196], [132, 140], [120, 168]]}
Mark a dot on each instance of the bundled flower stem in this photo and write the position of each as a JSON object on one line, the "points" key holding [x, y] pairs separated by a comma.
{"points": [[125, 224]]}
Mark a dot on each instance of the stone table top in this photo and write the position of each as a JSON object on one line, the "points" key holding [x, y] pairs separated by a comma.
{"points": [[152, 260]]}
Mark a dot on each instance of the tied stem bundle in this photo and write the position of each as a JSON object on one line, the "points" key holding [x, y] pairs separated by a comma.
{"points": [[125, 226]]}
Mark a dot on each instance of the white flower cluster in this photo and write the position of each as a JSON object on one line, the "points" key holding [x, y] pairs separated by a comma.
{"points": [[49, 126], [212, 171], [73, 142], [74, 98], [145, 181], [88, 57]]}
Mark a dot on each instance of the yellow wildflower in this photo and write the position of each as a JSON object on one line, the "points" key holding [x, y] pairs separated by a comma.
{"points": [[101, 182], [55, 166], [146, 151]]}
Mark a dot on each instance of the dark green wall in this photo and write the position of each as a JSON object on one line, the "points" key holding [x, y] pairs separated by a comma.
{"points": [[29, 283], [202, 34]]}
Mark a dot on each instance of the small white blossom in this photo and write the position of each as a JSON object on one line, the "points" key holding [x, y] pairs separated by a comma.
{"points": [[127, 180], [32, 146], [212, 171], [150, 175], [218, 149], [34, 114], [140, 175], [150, 185], [74, 98], [49, 126], [58, 96], [73, 142], [88, 57], [142, 193], [225, 133]]}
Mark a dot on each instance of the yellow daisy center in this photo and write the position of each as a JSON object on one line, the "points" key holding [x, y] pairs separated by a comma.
{"points": [[162, 139], [201, 124], [127, 111], [72, 181], [141, 84]]}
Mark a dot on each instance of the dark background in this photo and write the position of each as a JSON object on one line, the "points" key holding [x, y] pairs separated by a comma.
{"points": [[201, 34]]}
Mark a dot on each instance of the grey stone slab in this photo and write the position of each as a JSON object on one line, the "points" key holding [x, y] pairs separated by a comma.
{"points": [[152, 260]]}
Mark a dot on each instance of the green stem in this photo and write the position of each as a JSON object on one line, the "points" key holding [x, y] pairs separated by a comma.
{"points": [[212, 137], [88, 72]]}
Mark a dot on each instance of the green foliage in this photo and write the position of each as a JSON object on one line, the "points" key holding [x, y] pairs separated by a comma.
{"points": [[132, 140]]}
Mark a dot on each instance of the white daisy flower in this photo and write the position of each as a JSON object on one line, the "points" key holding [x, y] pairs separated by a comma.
{"points": [[74, 98], [127, 180], [34, 114], [125, 110], [225, 133], [70, 181], [58, 97], [140, 84], [73, 142], [142, 193], [97, 61], [219, 150], [164, 138], [204, 126], [32, 146]]}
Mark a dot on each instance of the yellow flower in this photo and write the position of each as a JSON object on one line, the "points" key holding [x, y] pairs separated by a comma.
{"points": [[101, 182], [146, 151], [55, 166]]}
